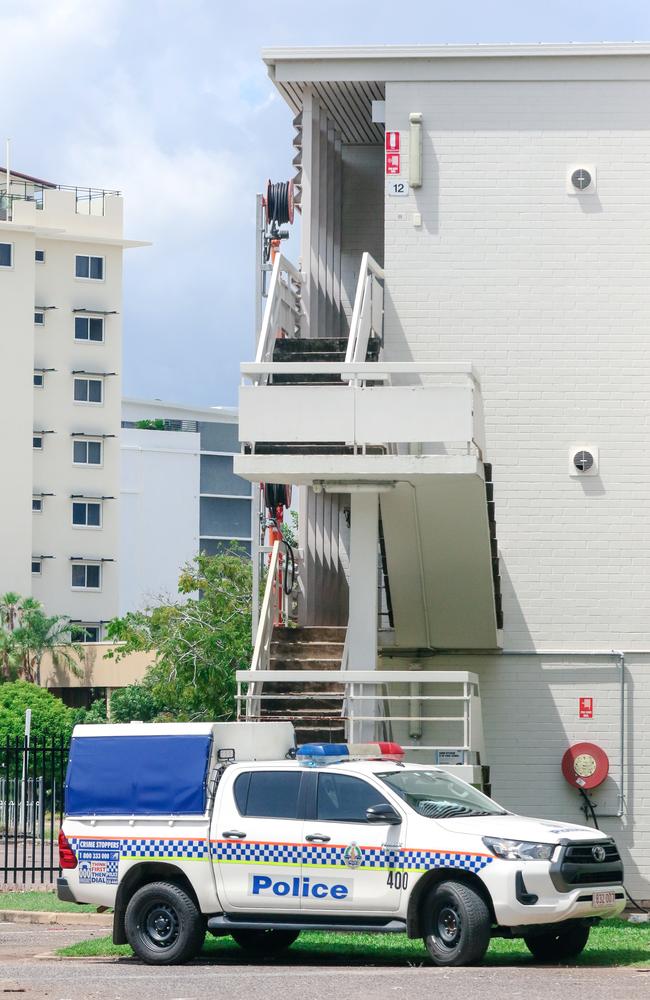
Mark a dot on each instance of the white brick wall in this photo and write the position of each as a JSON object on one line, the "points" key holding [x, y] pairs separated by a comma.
{"points": [[548, 295]]}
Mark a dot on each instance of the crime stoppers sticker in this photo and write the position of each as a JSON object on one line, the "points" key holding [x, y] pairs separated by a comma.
{"points": [[98, 861]]}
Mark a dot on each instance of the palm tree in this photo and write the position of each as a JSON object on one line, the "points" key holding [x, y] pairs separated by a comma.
{"points": [[10, 607], [27, 634], [38, 634]]}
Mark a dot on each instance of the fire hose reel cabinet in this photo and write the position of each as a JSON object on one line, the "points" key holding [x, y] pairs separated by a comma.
{"points": [[585, 765]]}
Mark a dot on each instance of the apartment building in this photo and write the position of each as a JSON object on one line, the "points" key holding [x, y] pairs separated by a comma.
{"points": [[61, 254], [179, 495], [455, 375]]}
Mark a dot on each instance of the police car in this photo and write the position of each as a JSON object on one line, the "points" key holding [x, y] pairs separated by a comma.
{"points": [[227, 828]]}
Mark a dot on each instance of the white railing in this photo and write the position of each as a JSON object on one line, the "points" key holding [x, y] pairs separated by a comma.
{"points": [[368, 312], [282, 311], [426, 711], [441, 405], [276, 610]]}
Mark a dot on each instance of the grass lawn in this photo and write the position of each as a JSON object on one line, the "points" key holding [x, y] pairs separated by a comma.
{"points": [[40, 901], [614, 942]]}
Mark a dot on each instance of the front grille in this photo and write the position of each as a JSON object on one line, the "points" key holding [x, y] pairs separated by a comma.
{"points": [[582, 853], [577, 866]]}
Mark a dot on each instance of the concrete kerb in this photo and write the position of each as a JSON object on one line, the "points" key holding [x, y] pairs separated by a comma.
{"points": [[55, 917]]}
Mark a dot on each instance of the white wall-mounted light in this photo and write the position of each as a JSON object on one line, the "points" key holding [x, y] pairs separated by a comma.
{"points": [[415, 149]]}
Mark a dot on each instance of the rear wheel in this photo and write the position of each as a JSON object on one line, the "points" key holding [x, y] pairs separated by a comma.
{"points": [[163, 924], [556, 945], [456, 923], [265, 942]]}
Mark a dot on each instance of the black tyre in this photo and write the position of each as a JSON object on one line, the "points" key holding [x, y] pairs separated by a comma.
{"points": [[265, 943], [163, 925], [559, 944], [456, 923]]}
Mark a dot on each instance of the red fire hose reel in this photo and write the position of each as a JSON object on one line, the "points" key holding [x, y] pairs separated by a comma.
{"points": [[585, 766]]}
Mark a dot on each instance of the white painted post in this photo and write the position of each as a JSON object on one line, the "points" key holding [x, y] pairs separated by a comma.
{"points": [[362, 626]]}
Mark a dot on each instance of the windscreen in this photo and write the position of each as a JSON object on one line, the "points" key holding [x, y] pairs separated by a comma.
{"points": [[438, 795]]}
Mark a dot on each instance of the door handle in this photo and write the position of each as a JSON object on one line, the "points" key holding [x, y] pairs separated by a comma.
{"points": [[235, 834], [316, 837]]}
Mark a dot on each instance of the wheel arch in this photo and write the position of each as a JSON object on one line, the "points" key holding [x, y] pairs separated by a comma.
{"points": [[142, 874], [426, 883]]}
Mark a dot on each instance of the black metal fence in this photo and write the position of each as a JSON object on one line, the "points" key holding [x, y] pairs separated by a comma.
{"points": [[32, 776]]}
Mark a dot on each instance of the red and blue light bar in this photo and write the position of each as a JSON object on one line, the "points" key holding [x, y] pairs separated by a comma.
{"points": [[337, 753]]}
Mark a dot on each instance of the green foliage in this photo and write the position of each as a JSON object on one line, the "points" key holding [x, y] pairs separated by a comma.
{"points": [[199, 643], [290, 531], [50, 717], [133, 702], [94, 715], [151, 425], [27, 634]]}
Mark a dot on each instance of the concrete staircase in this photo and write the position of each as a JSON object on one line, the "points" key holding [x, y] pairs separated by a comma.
{"points": [[309, 648]]}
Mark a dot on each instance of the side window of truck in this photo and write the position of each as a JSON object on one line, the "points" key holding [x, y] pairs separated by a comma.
{"points": [[268, 794], [345, 800]]}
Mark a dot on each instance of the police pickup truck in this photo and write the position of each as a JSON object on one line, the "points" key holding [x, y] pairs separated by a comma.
{"points": [[227, 828]]}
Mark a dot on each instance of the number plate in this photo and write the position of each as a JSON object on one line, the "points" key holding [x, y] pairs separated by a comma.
{"points": [[603, 899]]}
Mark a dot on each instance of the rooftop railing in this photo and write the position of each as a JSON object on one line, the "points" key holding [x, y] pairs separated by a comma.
{"points": [[88, 201]]}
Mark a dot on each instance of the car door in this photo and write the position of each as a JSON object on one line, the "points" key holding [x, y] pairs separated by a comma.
{"points": [[256, 839], [349, 863]]}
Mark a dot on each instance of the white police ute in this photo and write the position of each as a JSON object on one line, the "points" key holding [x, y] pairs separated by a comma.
{"points": [[227, 828]]}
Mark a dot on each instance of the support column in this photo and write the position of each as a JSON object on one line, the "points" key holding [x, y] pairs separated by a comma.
{"points": [[362, 626]]}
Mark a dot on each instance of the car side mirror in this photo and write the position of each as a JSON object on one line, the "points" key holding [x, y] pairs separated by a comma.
{"points": [[383, 813]]}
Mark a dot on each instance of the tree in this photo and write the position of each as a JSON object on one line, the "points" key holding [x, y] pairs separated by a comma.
{"points": [[27, 634], [134, 702], [198, 643], [50, 717]]}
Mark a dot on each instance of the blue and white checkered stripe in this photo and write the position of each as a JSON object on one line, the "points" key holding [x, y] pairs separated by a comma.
{"points": [[190, 848], [314, 856]]}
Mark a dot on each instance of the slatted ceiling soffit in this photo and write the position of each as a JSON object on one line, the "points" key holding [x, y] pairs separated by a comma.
{"points": [[348, 104]]}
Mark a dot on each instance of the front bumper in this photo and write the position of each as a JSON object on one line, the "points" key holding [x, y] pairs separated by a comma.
{"points": [[525, 894]]}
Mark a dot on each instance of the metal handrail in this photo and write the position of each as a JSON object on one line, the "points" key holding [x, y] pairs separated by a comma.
{"points": [[358, 689], [281, 294], [368, 309]]}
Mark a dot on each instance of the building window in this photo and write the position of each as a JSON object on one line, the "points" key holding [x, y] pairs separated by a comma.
{"points": [[37, 505], [37, 566], [39, 256], [89, 267], [86, 632], [6, 254], [87, 452], [86, 576], [37, 441], [88, 390], [39, 318], [89, 329], [86, 514], [39, 380]]}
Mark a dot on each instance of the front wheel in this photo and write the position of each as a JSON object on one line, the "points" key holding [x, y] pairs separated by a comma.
{"points": [[457, 924], [265, 943], [163, 924], [558, 945]]}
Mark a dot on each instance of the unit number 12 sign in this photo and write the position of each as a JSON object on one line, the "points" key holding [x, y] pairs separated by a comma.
{"points": [[397, 189]]}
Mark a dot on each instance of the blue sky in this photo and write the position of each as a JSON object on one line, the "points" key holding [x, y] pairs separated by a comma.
{"points": [[168, 101]]}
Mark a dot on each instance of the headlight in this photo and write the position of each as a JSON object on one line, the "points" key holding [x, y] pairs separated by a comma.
{"points": [[519, 850]]}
